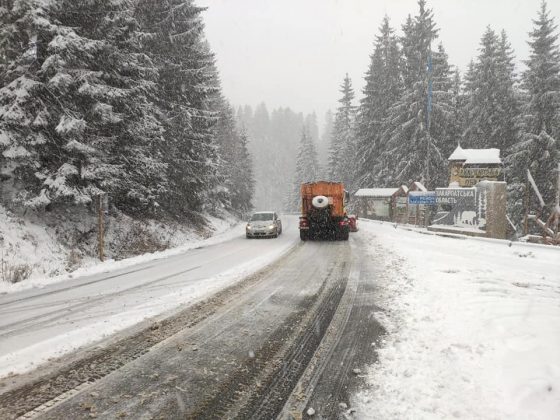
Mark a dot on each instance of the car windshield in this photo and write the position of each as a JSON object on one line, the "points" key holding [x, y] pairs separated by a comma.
{"points": [[259, 217]]}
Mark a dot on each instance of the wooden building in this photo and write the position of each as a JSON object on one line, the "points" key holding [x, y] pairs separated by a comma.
{"points": [[467, 167], [375, 203], [390, 204]]}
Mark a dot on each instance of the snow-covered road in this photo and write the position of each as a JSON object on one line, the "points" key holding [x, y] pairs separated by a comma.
{"points": [[39, 324], [472, 330]]}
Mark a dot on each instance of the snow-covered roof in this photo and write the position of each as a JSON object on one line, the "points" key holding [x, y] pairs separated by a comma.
{"points": [[419, 186], [375, 192], [476, 156], [404, 188]]}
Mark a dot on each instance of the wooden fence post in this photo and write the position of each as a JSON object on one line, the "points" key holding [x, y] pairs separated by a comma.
{"points": [[101, 227], [526, 208]]}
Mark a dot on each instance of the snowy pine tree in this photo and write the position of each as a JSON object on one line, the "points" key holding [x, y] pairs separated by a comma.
{"points": [[312, 128], [89, 130], [273, 143], [243, 178], [173, 38], [539, 148], [492, 108], [236, 182], [541, 80], [458, 104], [445, 125], [324, 143], [411, 152], [342, 153], [307, 168], [25, 101], [382, 89], [107, 125]]}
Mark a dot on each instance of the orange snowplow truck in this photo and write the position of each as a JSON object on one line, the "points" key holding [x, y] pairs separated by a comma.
{"points": [[323, 212]]}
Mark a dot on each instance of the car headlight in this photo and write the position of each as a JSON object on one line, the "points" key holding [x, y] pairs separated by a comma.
{"points": [[271, 227], [248, 227]]}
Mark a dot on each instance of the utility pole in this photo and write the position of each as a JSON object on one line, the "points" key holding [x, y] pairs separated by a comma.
{"points": [[428, 123], [428, 117]]}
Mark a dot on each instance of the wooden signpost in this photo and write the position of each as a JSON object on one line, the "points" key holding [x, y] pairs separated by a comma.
{"points": [[101, 226]]}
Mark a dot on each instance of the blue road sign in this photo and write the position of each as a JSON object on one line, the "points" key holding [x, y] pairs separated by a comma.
{"points": [[427, 198]]}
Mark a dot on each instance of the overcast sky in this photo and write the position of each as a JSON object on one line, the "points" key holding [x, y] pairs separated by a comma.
{"points": [[295, 52]]}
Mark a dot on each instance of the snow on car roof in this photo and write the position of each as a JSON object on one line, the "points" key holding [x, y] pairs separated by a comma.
{"points": [[476, 156], [375, 192]]}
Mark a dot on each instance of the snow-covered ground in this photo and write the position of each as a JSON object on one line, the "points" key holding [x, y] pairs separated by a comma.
{"points": [[36, 247], [473, 329]]}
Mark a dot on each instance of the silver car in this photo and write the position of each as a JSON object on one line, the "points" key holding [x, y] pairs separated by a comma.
{"points": [[264, 224]]}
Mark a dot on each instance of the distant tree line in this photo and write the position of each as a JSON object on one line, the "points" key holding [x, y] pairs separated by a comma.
{"points": [[390, 139], [120, 98], [285, 145]]}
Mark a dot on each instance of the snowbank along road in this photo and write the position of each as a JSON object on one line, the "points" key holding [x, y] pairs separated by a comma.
{"points": [[253, 329]]}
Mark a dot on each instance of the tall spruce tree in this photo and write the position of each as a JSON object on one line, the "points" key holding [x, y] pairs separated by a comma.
{"points": [[541, 80], [26, 106], [307, 168], [243, 177], [115, 97], [539, 148], [312, 127], [412, 152], [324, 145], [92, 128], [235, 172], [457, 121], [445, 129], [383, 87], [342, 153], [173, 38], [273, 143], [492, 109], [108, 126]]}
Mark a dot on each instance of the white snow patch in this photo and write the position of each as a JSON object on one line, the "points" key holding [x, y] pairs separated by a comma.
{"points": [[70, 125], [16, 152], [24, 242], [476, 156], [473, 329], [376, 192]]}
